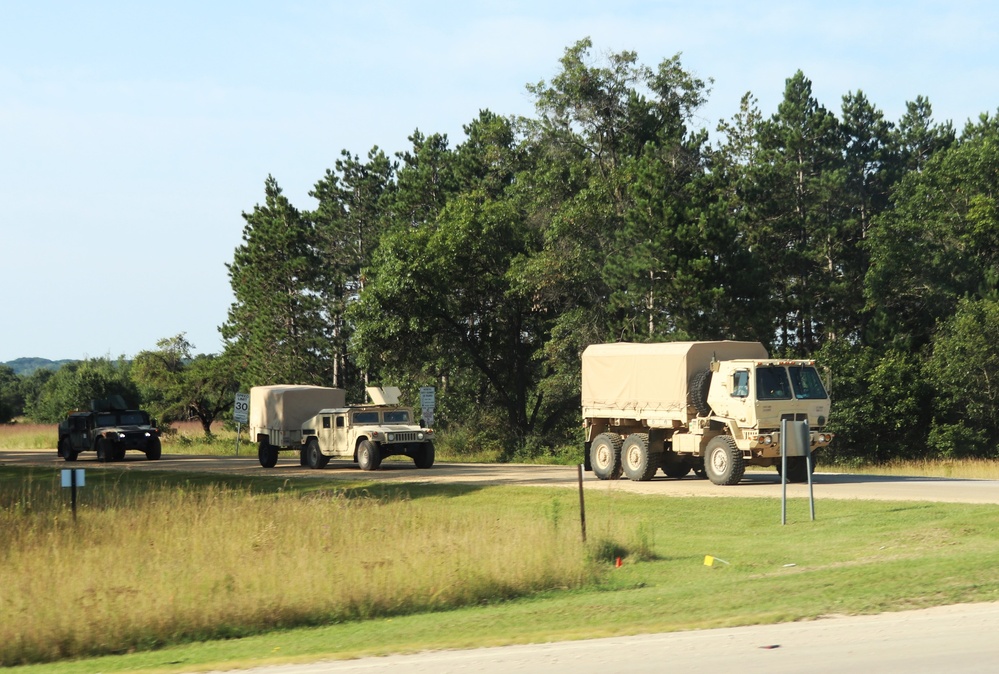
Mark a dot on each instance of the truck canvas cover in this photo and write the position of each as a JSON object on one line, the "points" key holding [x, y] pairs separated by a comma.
{"points": [[289, 406], [649, 378]]}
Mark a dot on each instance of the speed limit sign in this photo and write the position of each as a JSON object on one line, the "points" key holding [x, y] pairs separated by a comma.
{"points": [[241, 410]]}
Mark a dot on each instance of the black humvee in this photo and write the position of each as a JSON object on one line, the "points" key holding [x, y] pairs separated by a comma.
{"points": [[110, 429]]}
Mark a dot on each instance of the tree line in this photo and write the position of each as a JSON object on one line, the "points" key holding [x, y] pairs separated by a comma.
{"points": [[485, 267]]}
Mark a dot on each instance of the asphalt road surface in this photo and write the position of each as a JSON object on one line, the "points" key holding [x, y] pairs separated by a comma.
{"points": [[762, 483], [943, 640]]}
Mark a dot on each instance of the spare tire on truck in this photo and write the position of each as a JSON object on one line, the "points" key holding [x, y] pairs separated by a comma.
{"points": [[697, 389]]}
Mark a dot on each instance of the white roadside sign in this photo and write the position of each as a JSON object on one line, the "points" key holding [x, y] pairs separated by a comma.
{"points": [[241, 409]]}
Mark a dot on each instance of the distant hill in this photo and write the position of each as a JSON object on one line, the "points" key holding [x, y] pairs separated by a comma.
{"points": [[25, 366]]}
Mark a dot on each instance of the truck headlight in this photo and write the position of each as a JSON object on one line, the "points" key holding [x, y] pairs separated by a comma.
{"points": [[391, 437], [121, 435], [419, 436]]}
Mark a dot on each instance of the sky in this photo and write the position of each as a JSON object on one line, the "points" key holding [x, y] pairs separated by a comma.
{"points": [[134, 135]]}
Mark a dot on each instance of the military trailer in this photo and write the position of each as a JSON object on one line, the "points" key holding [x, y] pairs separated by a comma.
{"points": [[277, 414], [317, 423], [366, 434], [109, 429], [710, 407]]}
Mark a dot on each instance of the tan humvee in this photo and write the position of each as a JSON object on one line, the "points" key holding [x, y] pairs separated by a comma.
{"points": [[711, 407], [367, 434]]}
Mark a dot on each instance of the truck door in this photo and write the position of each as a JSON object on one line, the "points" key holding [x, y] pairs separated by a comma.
{"points": [[740, 403]]}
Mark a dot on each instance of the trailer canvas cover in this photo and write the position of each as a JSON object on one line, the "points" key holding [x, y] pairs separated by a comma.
{"points": [[644, 378], [287, 407]]}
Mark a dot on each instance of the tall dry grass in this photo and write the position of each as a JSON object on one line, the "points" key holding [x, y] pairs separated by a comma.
{"points": [[141, 569]]}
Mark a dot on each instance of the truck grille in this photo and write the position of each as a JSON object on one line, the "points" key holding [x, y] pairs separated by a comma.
{"points": [[404, 437]]}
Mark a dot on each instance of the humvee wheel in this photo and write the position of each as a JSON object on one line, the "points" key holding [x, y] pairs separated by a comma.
{"points": [[368, 455], [267, 454], [118, 453], [605, 456], [636, 459], [723, 461], [66, 450], [103, 451], [313, 457], [424, 457], [154, 450]]}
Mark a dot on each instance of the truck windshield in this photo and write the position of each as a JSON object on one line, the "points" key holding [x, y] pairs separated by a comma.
{"points": [[772, 384], [133, 419], [397, 417], [807, 383]]}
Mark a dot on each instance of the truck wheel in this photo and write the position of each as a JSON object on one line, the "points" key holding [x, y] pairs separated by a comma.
{"points": [[797, 468], [723, 462], [313, 457], [368, 455], [154, 450], [605, 456], [674, 466], [119, 453], [698, 387], [424, 457], [636, 460], [103, 448], [267, 454]]}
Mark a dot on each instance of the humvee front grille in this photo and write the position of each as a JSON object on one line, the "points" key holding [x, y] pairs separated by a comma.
{"points": [[404, 437]]}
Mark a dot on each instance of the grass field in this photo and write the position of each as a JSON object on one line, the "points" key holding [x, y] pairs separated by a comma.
{"points": [[159, 566]]}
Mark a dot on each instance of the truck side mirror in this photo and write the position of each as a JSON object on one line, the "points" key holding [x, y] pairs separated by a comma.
{"points": [[423, 424]]}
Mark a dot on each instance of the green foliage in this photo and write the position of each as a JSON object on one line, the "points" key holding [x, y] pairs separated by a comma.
{"points": [[75, 385], [961, 369], [11, 396]]}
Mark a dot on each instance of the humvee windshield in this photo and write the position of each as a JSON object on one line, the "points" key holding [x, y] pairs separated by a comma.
{"points": [[366, 417], [397, 417], [133, 419], [807, 383], [106, 420]]}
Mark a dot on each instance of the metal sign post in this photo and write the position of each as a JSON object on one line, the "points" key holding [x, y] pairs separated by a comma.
{"points": [[73, 478], [427, 403], [241, 414], [795, 440]]}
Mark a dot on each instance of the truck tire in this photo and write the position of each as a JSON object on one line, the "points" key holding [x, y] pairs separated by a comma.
{"points": [[424, 457], [674, 466], [797, 468], [723, 461], [314, 458], [118, 453], [605, 456], [104, 451], [267, 454], [697, 389], [368, 455], [636, 460], [154, 450]]}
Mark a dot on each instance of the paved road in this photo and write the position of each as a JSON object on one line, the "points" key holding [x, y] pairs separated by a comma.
{"points": [[951, 639], [755, 484]]}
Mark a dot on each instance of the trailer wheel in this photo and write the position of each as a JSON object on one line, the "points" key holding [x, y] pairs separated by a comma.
{"points": [[636, 460], [267, 454], [313, 457], [368, 455], [424, 457], [154, 450], [103, 448], [698, 387], [723, 462], [605, 456]]}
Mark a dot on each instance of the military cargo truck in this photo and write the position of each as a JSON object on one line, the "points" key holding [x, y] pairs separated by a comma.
{"points": [[317, 423], [109, 429], [710, 407]]}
